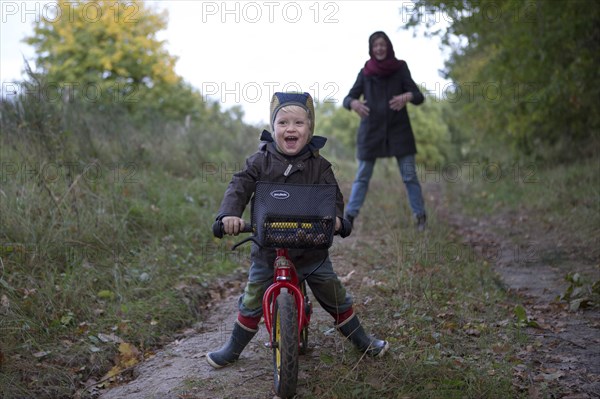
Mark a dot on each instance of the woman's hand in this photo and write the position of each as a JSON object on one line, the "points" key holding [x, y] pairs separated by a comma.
{"points": [[232, 225], [398, 102], [360, 108], [338, 224]]}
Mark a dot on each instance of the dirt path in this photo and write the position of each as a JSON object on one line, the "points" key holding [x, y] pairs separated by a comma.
{"points": [[180, 370], [532, 260], [167, 374], [563, 360]]}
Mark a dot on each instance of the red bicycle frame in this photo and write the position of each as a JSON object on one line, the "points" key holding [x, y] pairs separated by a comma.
{"points": [[285, 276]]}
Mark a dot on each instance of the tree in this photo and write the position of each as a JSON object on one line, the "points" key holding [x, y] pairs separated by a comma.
{"points": [[339, 126], [527, 70], [431, 131], [107, 52]]}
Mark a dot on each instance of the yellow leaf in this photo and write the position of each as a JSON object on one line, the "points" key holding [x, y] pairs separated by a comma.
{"points": [[112, 372], [129, 355]]}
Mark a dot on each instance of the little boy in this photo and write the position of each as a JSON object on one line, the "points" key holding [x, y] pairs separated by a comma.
{"points": [[289, 155]]}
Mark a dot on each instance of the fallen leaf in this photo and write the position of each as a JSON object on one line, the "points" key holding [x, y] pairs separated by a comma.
{"points": [[41, 354], [473, 332], [109, 338], [549, 376], [4, 302], [579, 303], [128, 356]]}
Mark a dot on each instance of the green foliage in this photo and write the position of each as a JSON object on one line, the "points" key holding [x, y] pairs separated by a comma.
{"points": [[428, 121], [522, 318], [431, 131], [581, 292], [527, 71], [437, 303], [105, 231], [339, 126], [106, 52], [559, 204]]}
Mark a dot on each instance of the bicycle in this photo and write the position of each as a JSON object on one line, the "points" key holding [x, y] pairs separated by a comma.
{"points": [[286, 305]]}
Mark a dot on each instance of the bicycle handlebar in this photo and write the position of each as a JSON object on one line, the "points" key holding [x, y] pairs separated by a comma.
{"points": [[218, 232], [218, 229]]}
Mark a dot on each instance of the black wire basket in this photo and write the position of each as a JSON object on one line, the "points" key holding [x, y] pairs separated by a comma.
{"points": [[295, 216]]}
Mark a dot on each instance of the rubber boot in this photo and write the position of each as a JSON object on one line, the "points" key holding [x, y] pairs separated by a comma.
{"points": [[421, 222], [230, 352], [352, 329]]}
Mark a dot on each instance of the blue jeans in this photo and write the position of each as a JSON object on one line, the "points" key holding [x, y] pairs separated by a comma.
{"points": [[408, 171]]}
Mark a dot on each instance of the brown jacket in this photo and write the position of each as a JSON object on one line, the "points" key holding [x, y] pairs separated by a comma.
{"points": [[267, 164]]}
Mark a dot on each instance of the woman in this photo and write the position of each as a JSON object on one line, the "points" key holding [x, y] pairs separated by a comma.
{"points": [[386, 86]]}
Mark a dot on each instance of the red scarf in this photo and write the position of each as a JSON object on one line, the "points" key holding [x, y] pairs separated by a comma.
{"points": [[382, 68]]}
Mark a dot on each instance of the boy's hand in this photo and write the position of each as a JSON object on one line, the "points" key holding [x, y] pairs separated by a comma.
{"points": [[343, 227], [232, 225]]}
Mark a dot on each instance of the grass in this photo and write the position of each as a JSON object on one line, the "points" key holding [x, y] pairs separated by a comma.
{"points": [[550, 211], [124, 259], [446, 305], [106, 240], [449, 322], [102, 242], [561, 196]]}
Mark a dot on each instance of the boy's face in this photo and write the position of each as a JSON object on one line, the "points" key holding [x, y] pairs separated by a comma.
{"points": [[292, 130]]}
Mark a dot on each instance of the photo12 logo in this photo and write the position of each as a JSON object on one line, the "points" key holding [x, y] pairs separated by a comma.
{"points": [[270, 11], [525, 253], [254, 92], [219, 171], [72, 92], [494, 92], [67, 171], [486, 12], [472, 171], [70, 11]]}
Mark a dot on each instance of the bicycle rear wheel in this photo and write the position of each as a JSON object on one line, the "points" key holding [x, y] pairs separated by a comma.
{"points": [[285, 345]]}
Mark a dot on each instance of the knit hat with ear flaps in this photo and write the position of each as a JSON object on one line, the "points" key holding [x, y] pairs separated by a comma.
{"points": [[303, 100]]}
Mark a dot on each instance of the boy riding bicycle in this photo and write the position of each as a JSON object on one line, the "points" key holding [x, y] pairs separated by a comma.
{"points": [[289, 155]]}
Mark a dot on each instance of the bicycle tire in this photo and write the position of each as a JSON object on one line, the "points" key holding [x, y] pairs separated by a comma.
{"points": [[304, 341], [304, 331], [285, 345]]}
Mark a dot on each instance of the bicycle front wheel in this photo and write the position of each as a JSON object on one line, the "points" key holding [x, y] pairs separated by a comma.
{"points": [[285, 345], [304, 331]]}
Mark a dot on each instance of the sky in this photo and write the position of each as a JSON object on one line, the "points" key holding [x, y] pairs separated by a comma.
{"points": [[239, 52]]}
